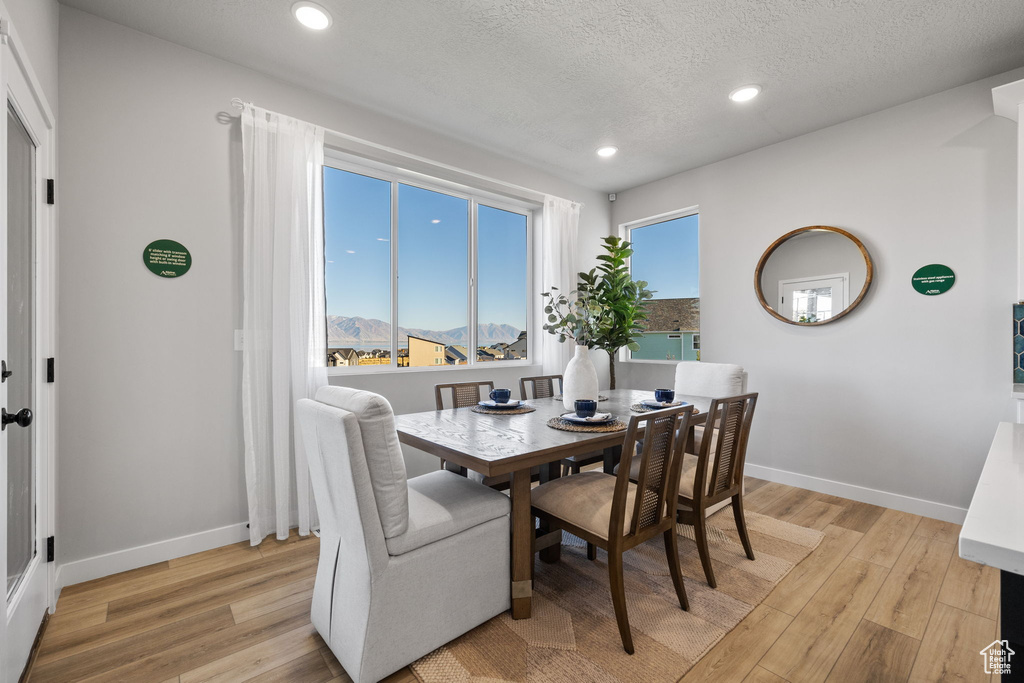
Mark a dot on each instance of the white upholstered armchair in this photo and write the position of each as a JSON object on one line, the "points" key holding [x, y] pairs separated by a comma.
{"points": [[713, 380], [405, 565]]}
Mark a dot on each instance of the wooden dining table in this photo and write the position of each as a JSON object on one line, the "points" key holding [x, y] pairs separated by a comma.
{"points": [[513, 444]]}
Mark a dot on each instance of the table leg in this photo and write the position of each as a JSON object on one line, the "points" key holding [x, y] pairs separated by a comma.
{"points": [[553, 553], [1011, 596], [522, 545], [611, 458], [691, 439]]}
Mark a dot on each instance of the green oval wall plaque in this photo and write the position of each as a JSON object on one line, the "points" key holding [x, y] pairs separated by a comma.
{"points": [[167, 258], [933, 279]]}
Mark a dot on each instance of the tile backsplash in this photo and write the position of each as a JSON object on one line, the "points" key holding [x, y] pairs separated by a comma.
{"points": [[1018, 343]]}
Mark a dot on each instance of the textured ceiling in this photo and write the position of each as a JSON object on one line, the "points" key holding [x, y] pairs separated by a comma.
{"points": [[547, 82]]}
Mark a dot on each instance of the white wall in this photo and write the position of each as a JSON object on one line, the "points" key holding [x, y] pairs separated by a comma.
{"points": [[149, 399], [904, 394]]}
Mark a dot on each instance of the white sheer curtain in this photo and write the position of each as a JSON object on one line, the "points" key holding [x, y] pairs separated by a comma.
{"points": [[283, 317], [560, 224]]}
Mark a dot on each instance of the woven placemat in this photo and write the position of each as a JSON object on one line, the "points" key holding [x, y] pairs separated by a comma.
{"points": [[599, 398], [641, 408], [503, 411], [566, 426]]}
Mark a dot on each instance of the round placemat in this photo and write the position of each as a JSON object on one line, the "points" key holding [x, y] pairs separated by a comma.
{"points": [[559, 423], [503, 411], [641, 408], [599, 398]]}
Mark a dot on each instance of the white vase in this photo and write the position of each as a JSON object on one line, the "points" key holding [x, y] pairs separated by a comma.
{"points": [[580, 378]]}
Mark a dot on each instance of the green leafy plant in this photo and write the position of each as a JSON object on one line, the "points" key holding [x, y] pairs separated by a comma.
{"points": [[611, 289], [572, 316]]}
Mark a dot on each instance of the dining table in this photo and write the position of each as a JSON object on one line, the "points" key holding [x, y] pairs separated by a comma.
{"points": [[514, 444]]}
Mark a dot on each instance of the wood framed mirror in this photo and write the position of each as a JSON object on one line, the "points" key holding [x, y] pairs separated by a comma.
{"points": [[813, 275]]}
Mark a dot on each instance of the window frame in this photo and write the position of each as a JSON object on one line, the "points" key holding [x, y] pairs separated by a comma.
{"points": [[475, 197], [625, 229]]}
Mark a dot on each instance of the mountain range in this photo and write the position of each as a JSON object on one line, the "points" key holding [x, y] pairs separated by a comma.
{"points": [[356, 331]]}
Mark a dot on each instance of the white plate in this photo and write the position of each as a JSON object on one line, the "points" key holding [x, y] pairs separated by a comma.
{"points": [[651, 403], [512, 403], [599, 418]]}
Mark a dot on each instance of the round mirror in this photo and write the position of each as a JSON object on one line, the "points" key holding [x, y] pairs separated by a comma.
{"points": [[813, 275]]}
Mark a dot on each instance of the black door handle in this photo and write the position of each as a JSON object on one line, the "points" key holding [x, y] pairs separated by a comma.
{"points": [[22, 418], [4, 372]]}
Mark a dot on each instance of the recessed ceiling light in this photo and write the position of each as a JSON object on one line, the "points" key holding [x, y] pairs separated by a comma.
{"points": [[311, 15], [745, 94], [608, 151]]}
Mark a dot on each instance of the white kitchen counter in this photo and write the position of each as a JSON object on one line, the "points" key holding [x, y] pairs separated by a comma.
{"points": [[993, 533]]}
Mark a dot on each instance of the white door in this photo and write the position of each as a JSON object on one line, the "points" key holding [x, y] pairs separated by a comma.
{"points": [[26, 341], [813, 299]]}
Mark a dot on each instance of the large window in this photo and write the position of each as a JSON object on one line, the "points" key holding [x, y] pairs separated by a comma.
{"points": [[666, 256], [422, 275]]}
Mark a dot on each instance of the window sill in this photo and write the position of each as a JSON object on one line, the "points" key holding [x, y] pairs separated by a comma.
{"points": [[371, 370], [655, 362]]}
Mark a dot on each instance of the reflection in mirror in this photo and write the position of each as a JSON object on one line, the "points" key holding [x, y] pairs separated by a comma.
{"points": [[813, 275]]}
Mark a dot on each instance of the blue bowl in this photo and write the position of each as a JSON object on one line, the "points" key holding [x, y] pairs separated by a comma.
{"points": [[586, 407], [501, 395]]}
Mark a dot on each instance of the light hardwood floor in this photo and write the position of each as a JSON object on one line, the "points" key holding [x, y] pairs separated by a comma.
{"points": [[883, 598]]}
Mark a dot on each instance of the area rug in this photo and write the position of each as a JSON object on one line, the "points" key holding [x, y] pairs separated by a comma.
{"points": [[572, 635]]}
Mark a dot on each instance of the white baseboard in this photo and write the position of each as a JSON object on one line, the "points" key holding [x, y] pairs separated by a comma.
{"points": [[133, 558], [896, 501]]}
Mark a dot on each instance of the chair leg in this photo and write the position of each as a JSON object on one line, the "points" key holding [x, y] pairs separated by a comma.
{"points": [[741, 524], [672, 550], [442, 463], [591, 551], [618, 588], [700, 534]]}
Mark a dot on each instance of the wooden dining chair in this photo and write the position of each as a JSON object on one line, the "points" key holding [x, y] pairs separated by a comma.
{"points": [[614, 513], [719, 465], [543, 386], [461, 395]]}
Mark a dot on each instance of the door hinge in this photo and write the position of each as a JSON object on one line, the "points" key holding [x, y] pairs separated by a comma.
{"points": [[49, 549], [49, 191], [50, 371]]}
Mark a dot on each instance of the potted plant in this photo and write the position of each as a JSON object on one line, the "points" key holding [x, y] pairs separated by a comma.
{"points": [[620, 300], [575, 316]]}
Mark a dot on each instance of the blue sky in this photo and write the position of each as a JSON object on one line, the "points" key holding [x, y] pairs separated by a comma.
{"points": [[501, 267], [665, 255], [433, 248], [357, 248]]}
